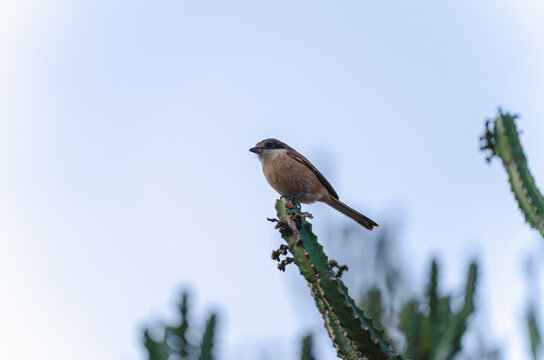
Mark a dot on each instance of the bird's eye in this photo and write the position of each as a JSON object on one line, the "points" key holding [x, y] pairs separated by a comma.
{"points": [[269, 144]]}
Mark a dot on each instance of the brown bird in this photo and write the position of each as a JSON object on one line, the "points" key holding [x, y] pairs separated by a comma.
{"points": [[291, 174]]}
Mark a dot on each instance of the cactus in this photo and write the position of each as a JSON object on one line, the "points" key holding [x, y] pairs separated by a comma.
{"points": [[177, 335], [503, 141], [157, 350], [436, 333], [450, 343], [534, 332], [174, 342], [206, 346], [372, 302], [353, 334], [307, 353]]}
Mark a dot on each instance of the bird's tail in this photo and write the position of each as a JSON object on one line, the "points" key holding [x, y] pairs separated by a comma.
{"points": [[355, 215]]}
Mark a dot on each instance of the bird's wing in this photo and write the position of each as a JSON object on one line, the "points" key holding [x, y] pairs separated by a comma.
{"points": [[298, 157]]}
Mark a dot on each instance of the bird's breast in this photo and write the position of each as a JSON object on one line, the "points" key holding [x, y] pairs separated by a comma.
{"points": [[290, 177]]}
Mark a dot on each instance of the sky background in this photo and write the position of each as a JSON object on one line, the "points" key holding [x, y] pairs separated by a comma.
{"points": [[125, 173]]}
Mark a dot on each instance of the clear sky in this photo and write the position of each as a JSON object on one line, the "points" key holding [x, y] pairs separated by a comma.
{"points": [[125, 172]]}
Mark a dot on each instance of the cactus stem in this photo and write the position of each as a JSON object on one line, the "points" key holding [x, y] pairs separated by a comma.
{"points": [[503, 141], [344, 322]]}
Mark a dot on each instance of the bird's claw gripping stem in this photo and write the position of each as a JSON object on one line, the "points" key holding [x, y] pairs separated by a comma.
{"points": [[295, 197]]}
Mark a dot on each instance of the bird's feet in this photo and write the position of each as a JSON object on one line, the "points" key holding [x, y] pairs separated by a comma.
{"points": [[295, 197]]}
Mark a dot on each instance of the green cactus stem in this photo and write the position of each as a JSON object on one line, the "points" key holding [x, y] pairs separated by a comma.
{"points": [[207, 344], [353, 334], [450, 343], [434, 332], [174, 342], [157, 350], [534, 332], [307, 352], [503, 141]]}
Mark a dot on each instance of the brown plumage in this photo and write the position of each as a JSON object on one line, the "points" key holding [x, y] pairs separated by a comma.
{"points": [[290, 173]]}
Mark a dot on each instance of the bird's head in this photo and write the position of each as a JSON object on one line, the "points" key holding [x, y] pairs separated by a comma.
{"points": [[269, 148]]}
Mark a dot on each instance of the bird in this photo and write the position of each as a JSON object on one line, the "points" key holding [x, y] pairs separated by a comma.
{"points": [[293, 175]]}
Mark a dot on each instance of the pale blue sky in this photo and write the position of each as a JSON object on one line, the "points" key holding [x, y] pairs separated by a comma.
{"points": [[124, 130]]}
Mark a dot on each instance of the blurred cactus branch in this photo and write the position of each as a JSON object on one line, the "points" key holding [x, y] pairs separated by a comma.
{"points": [[433, 331], [307, 352], [207, 343], [353, 334], [534, 332], [502, 140], [174, 343], [450, 343]]}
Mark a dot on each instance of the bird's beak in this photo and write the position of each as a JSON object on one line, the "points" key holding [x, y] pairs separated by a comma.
{"points": [[256, 150]]}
